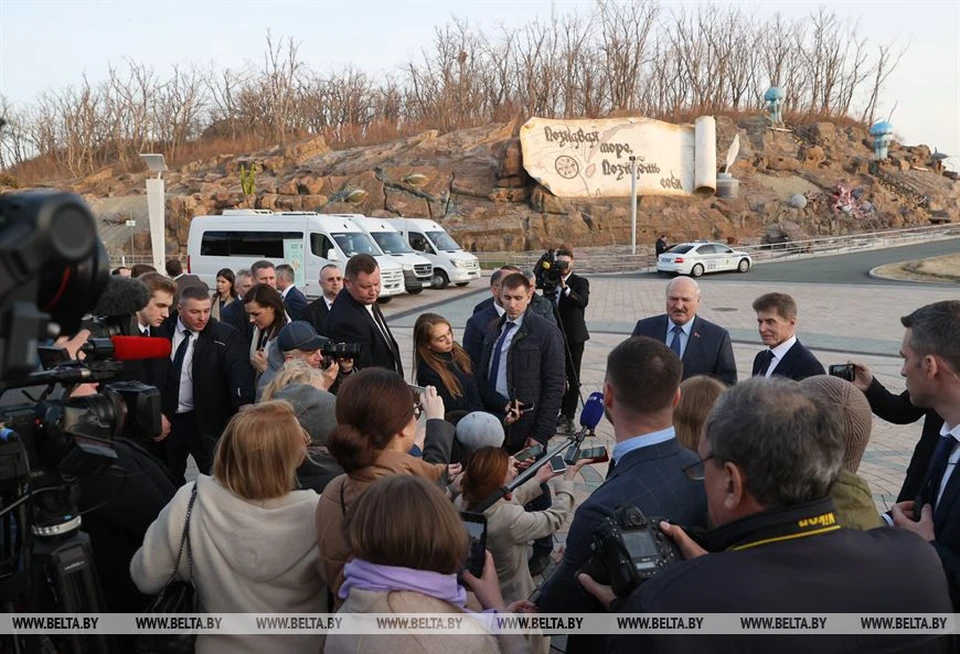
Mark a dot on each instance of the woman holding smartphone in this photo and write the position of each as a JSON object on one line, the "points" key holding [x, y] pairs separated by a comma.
{"points": [[264, 306], [442, 362]]}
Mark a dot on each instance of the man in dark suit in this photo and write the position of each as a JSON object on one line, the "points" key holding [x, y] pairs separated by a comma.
{"points": [[175, 272], [331, 283], [209, 380], [294, 301], [703, 347], [899, 410], [572, 298], [931, 366], [495, 278], [356, 318], [646, 470], [234, 313], [768, 456], [785, 356]]}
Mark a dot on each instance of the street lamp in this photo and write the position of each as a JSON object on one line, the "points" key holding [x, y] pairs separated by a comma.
{"points": [[156, 207]]}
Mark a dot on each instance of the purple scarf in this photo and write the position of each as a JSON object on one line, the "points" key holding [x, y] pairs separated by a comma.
{"points": [[386, 578]]}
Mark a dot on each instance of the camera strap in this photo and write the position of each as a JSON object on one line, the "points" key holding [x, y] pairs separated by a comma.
{"points": [[769, 527]]}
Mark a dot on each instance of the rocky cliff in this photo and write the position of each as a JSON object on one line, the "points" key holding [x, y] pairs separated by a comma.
{"points": [[804, 181]]}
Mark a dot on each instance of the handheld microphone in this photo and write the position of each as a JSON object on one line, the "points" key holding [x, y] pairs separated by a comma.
{"points": [[129, 348], [592, 411]]}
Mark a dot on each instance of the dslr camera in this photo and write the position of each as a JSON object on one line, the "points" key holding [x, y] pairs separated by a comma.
{"points": [[628, 549], [338, 351], [549, 272]]}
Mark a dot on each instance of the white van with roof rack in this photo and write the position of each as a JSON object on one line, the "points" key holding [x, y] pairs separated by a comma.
{"points": [[306, 240], [451, 264]]}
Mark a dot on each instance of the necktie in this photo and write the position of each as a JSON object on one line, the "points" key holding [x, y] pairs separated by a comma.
{"points": [[495, 362], [145, 331], [766, 358], [938, 468], [176, 372], [675, 343]]}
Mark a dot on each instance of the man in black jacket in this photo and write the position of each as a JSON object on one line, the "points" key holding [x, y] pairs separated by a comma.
{"points": [[208, 381], [768, 456], [234, 314], [331, 283], [572, 299], [521, 372], [899, 410], [931, 366], [356, 318], [293, 298]]}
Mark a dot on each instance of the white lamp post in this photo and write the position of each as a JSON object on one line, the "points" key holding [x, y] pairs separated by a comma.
{"points": [[156, 207]]}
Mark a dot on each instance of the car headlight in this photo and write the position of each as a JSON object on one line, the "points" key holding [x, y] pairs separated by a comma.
{"points": [[460, 264]]}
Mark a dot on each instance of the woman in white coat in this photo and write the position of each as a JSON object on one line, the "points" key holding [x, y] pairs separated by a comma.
{"points": [[252, 537]]}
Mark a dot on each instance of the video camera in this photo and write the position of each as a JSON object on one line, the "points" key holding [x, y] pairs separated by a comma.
{"points": [[628, 549], [549, 272], [53, 270]]}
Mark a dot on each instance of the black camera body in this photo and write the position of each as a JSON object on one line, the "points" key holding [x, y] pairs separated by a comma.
{"points": [[628, 549], [549, 272], [342, 350]]}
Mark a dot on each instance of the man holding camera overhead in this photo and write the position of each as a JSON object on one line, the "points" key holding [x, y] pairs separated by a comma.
{"points": [[641, 388]]}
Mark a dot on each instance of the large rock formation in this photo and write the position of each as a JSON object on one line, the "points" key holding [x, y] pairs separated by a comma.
{"points": [[472, 181]]}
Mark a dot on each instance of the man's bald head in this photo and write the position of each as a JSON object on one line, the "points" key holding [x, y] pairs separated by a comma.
{"points": [[683, 300]]}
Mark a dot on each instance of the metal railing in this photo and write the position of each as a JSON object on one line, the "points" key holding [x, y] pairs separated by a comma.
{"points": [[618, 258]]}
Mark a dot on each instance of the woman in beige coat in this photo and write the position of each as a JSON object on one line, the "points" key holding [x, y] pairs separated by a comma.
{"points": [[509, 526], [376, 427], [409, 544]]}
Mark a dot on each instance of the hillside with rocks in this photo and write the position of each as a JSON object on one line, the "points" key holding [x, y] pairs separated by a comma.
{"points": [[472, 181]]}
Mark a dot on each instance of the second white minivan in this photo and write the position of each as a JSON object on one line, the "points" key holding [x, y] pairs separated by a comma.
{"points": [[451, 264], [306, 240], [417, 270]]}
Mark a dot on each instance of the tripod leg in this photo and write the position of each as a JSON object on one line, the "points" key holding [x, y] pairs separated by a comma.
{"points": [[68, 571]]}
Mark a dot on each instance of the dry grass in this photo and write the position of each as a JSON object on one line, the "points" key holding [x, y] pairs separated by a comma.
{"points": [[945, 269]]}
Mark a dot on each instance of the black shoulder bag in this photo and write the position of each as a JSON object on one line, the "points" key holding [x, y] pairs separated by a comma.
{"points": [[176, 597]]}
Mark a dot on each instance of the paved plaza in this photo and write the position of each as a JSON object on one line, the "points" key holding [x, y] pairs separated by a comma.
{"points": [[838, 322]]}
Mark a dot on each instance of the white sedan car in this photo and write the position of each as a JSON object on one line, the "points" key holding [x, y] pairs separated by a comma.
{"points": [[694, 259]]}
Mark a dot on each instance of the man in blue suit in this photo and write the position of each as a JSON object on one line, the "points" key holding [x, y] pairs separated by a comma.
{"points": [[294, 300], [785, 356], [931, 366], [703, 347], [646, 470]]}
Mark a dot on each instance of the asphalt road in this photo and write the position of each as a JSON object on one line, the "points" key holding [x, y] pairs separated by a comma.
{"points": [[840, 269]]}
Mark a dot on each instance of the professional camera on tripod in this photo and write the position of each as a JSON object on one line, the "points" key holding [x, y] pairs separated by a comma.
{"points": [[53, 269], [549, 273]]}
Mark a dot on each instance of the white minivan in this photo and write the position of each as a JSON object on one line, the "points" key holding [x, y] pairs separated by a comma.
{"points": [[451, 264], [304, 239], [417, 270]]}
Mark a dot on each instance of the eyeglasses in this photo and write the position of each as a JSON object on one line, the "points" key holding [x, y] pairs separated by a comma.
{"points": [[696, 471], [417, 410]]}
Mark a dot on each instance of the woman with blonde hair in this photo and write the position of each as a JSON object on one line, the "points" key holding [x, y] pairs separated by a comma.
{"points": [[377, 416], [441, 362], [410, 544], [698, 394], [251, 543], [295, 371]]}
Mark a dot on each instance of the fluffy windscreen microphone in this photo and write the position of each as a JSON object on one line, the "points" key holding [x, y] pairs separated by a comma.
{"points": [[122, 297]]}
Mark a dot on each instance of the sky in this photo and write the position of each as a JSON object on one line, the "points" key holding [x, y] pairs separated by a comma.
{"points": [[51, 44]]}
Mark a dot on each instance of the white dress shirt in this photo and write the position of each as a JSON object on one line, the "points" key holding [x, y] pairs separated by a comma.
{"points": [[186, 373], [778, 354], [504, 351]]}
